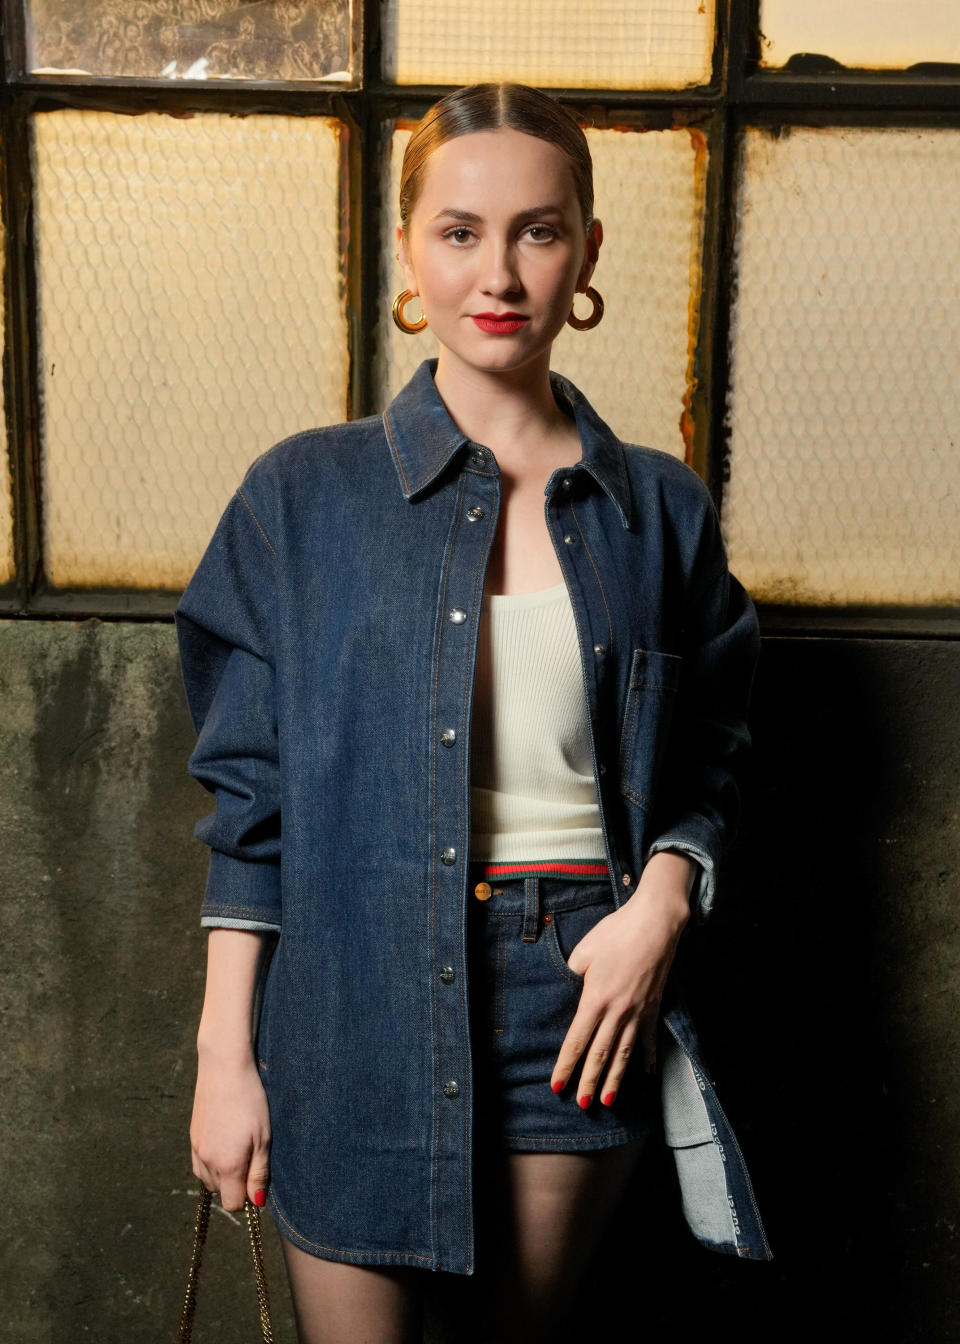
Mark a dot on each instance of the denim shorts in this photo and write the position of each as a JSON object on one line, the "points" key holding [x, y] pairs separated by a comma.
{"points": [[523, 997]]}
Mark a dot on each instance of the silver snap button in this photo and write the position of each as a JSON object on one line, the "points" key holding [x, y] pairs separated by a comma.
{"points": [[475, 513], [567, 482], [479, 457], [447, 975], [448, 737], [448, 855], [599, 649], [458, 615], [569, 538], [451, 1089], [603, 768]]}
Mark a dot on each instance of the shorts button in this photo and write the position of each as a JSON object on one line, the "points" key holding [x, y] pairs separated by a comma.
{"points": [[483, 891]]}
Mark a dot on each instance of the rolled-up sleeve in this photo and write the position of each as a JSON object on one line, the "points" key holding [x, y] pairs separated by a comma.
{"points": [[225, 632], [710, 738]]}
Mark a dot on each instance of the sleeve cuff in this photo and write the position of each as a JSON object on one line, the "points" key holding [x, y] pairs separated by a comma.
{"points": [[704, 883], [223, 922], [242, 889]]}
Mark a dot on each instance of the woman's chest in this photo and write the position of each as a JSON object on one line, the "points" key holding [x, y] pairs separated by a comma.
{"points": [[523, 557]]}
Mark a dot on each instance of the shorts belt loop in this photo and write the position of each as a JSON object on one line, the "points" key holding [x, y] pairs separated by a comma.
{"points": [[531, 908]]}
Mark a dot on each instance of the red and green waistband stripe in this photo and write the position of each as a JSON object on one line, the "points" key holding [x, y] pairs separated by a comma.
{"points": [[576, 870]]}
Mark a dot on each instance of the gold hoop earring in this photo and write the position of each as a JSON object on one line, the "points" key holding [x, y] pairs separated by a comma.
{"points": [[399, 303], [585, 323]]}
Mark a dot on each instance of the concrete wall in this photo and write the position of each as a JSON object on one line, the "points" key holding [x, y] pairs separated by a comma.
{"points": [[829, 1003]]}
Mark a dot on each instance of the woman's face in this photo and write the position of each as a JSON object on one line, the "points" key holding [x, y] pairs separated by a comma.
{"points": [[497, 230]]}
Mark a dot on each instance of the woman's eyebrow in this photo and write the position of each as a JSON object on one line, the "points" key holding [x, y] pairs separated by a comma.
{"points": [[468, 217]]}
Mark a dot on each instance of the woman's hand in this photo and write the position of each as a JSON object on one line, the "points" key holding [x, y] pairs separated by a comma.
{"points": [[625, 960], [230, 1128]]}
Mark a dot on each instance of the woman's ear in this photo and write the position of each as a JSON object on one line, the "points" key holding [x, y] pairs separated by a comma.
{"points": [[592, 250], [403, 256]]}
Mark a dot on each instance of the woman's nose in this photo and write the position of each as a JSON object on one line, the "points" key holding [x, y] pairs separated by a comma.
{"points": [[499, 275]]}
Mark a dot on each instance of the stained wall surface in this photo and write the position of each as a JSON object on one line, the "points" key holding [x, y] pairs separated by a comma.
{"points": [[829, 998]]}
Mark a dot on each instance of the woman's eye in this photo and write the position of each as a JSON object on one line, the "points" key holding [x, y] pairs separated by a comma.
{"points": [[459, 234], [543, 232]]}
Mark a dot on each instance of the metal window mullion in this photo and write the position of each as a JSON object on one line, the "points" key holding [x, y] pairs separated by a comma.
{"points": [[849, 89], [21, 347], [358, 234]]}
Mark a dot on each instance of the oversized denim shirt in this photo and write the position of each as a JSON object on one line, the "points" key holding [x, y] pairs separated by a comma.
{"points": [[328, 643]]}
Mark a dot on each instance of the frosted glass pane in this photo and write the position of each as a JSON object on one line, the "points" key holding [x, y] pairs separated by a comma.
{"points": [[875, 34], [845, 406], [191, 315], [649, 44], [217, 39], [635, 365]]}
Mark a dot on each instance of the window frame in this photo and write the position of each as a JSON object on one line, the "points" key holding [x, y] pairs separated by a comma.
{"points": [[740, 94]]}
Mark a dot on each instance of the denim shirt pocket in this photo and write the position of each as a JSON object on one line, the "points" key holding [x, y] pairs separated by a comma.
{"points": [[648, 712]]}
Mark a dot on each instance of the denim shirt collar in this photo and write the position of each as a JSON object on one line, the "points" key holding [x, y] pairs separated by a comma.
{"points": [[424, 439]]}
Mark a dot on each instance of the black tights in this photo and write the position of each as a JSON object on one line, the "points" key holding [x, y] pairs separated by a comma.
{"points": [[540, 1217]]}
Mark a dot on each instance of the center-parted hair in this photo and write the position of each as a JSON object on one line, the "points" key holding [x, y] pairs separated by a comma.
{"points": [[488, 107]]}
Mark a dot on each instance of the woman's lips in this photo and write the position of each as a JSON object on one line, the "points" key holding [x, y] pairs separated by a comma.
{"points": [[499, 326]]}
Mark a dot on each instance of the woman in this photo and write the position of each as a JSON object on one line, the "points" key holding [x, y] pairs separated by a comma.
{"points": [[504, 753]]}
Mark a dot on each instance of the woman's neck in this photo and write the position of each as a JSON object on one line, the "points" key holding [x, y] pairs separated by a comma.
{"points": [[513, 413]]}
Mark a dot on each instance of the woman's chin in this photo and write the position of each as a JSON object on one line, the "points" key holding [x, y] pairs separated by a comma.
{"points": [[496, 354]]}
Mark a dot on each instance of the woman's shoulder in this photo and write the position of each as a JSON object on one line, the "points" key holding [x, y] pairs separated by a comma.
{"points": [[654, 467], [314, 448], [323, 462]]}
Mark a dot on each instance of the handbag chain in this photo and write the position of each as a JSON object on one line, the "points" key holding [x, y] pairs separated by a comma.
{"points": [[256, 1245]]}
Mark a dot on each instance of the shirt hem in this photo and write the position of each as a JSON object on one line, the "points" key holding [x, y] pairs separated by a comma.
{"points": [[347, 1255], [572, 870]]}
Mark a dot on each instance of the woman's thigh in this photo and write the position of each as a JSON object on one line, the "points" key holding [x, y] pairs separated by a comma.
{"points": [[539, 1221], [336, 1303], [540, 1218]]}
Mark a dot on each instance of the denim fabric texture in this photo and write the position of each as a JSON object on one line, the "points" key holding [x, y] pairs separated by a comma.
{"points": [[328, 645], [523, 997]]}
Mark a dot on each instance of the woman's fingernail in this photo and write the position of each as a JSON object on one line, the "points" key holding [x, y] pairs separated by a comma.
{"points": [[609, 1098], [585, 1101], [260, 1198], [559, 1085]]}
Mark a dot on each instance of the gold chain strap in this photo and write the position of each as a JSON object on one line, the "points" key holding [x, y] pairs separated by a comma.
{"points": [[256, 1245]]}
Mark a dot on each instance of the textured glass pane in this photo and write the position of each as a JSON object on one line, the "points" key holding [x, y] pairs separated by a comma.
{"points": [[191, 315], [634, 366], [610, 44], [845, 459], [876, 34], [190, 39]]}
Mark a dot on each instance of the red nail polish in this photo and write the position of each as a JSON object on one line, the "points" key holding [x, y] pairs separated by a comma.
{"points": [[260, 1198], [559, 1085], [609, 1099], [585, 1101]]}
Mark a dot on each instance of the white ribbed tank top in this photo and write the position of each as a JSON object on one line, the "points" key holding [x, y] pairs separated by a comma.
{"points": [[532, 792]]}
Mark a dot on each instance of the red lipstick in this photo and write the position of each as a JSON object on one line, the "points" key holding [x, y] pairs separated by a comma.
{"points": [[498, 324]]}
